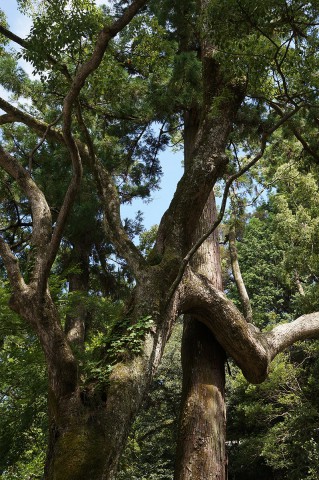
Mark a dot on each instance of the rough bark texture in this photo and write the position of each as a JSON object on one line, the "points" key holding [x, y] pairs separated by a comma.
{"points": [[201, 443], [202, 431], [201, 452]]}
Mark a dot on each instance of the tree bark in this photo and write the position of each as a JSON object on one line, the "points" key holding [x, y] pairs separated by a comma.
{"points": [[202, 431], [243, 294], [201, 443], [201, 449]]}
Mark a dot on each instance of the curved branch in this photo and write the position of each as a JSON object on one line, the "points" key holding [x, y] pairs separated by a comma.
{"points": [[251, 350], [241, 288], [41, 219], [12, 266], [41, 215], [282, 336], [209, 305]]}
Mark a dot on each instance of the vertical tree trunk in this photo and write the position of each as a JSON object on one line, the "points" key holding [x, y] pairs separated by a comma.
{"points": [[201, 450], [201, 443]]}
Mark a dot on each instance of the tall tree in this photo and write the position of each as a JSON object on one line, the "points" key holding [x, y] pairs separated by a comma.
{"points": [[106, 76]]}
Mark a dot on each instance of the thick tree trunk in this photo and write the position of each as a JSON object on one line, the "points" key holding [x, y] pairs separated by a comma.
{"points": [[201, 450], [201, 444], [202, 433]]}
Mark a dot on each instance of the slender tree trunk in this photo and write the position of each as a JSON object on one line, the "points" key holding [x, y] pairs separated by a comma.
{"points": [[243, 294]]}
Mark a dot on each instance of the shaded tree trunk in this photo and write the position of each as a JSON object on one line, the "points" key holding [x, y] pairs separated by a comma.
{"points": [[76, 320]]}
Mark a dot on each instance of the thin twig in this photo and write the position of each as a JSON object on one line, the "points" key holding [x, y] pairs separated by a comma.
{"points": [[228, 184], [42, 141]]}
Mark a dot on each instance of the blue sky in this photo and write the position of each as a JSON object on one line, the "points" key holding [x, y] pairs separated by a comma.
{"points": [[171, 162]]}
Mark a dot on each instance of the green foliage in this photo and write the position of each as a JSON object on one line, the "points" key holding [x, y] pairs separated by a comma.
{"points": [[150, 450], [12, 77], [147, 239], [23, 387], [81, 22], [110, 339], [272, 430], [152, 74]]}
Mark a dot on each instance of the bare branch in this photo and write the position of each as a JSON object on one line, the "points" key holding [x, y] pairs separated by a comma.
{"points": [[12, 36], [41, 215], [6, 118], [38, 126], [244, 298]]}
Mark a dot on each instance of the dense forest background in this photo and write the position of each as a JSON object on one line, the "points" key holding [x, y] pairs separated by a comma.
{"points": [[131, 109]]}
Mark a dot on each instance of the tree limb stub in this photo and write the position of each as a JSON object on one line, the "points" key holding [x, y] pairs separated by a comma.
{"points": [[251, 349]]}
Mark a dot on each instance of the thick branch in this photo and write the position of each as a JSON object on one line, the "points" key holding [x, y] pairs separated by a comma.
{"points": [[251, 349], [41, 215], [219, 314], [282, 336], [37, 125], [6, 118], [12, 266], [12, 36]]}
